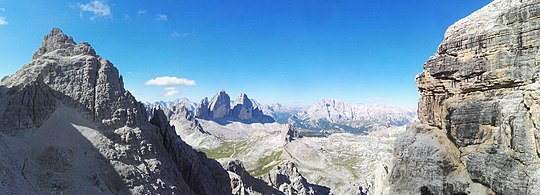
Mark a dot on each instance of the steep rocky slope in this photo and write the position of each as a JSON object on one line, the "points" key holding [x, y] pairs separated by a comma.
{"points": [[68, 126], [479, 108]]}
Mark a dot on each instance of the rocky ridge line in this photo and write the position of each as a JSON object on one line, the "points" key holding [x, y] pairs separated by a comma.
{"points": [[68, 107]]}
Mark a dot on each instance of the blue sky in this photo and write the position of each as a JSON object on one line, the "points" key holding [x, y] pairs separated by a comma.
{"points": [[292, 52]]}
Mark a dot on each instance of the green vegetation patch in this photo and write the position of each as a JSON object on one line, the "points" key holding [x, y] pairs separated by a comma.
{"points": [[267, 163], [227, 149], [348, 162]]}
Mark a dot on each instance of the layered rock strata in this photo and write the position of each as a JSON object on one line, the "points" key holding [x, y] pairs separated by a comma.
{"points": [[479, 108]]}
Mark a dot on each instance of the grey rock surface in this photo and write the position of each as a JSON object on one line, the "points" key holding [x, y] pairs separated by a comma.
{"points": [[243, 183], [243, 107], [283, 179], [204, 175], [68, 126], [287, 179], [85, 80], [479, 108], [203, 110], [220, 105], [289, 133], [243, 110]]}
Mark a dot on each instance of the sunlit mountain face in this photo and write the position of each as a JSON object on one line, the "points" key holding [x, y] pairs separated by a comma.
{"points": [[173, 97]]}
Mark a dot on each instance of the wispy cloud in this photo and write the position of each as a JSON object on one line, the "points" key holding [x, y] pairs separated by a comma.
{"points": [[179, 34], [97, 8], [3, 21], [170, 81], [171, 91], [125, 17], [141, 12], [161, 17]]}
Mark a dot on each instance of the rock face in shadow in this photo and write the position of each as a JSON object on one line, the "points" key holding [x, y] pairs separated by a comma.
{"points": [[287, 179], [204, 175], [479, 108], [242, 183], [69, 126], [283, 179], [289, 133], [243, 110]]}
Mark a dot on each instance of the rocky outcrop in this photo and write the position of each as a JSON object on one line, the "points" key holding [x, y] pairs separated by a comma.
{"points": [[289, 133], [283, 179], [68, 126], [243, 183], [287, 179], [243, 107], [174, 113], [204, 176], [243, 110], [203, 110], [478, 110], [220, 106], [84, 80]]}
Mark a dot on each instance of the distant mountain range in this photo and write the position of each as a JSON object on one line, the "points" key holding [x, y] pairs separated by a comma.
{"points": [[335, 115], [327, 115]]}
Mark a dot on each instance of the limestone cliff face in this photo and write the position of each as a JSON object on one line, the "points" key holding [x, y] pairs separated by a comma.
{"points": [[479, 109], [82, 78], [220, 106], [68, 126], [243, 109]]}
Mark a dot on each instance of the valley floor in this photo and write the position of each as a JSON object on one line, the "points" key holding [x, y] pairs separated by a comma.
{"points": [[342, 161]]}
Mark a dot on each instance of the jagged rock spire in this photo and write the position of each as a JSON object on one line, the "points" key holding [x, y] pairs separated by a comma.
{"points": [[63, 45], [220, 106]]}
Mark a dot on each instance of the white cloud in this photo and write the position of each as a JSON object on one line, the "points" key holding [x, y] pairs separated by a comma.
{"points": [[178, 34], [170, 81], [3, 21], [98, 8], [171, 91], [141, 12], [161, 17]]}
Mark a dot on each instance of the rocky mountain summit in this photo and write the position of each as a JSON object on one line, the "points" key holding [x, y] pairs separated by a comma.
{"points": [[335, 115], [219, 109], [478, 129], [68, 126]]}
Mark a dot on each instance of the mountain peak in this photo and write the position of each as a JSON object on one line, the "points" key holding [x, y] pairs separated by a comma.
{"points": [[61, 44], [84, 79], [242, 99]]}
